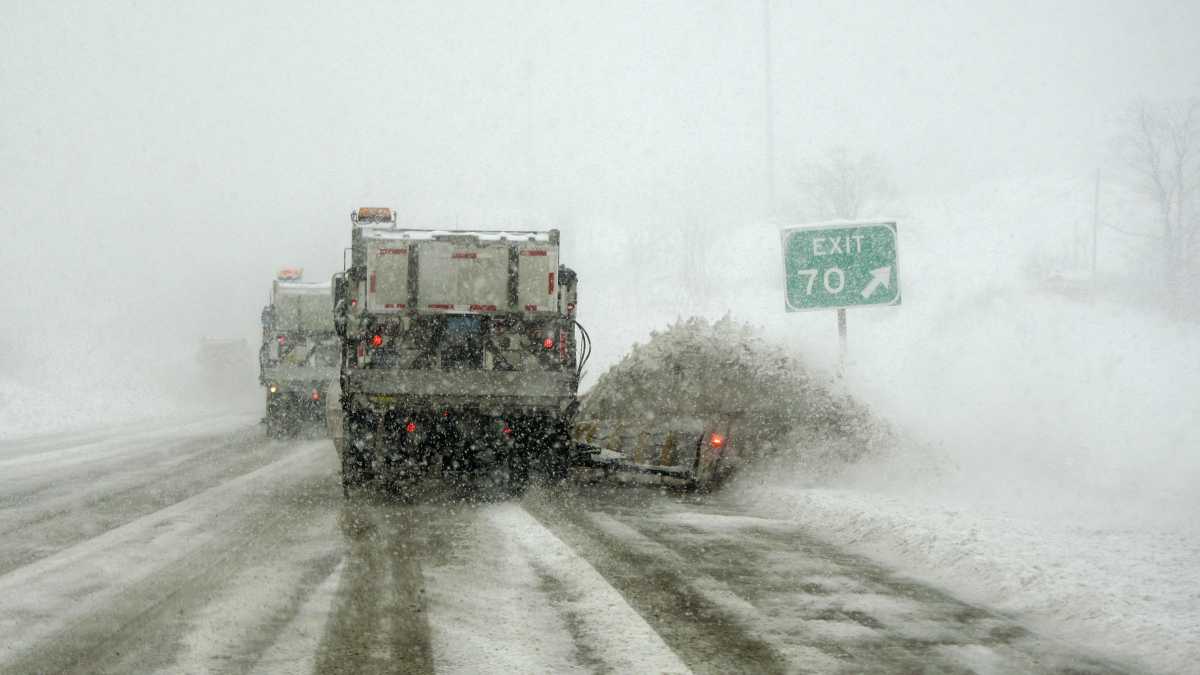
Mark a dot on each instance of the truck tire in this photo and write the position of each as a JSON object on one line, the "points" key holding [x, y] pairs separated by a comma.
{"points": [[518, 472], [353, 475], [275, 416], [357, 449], [558, 456], [549, 441]]}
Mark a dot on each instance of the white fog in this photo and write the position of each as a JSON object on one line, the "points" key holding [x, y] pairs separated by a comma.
{"points": [[1035, 389]]}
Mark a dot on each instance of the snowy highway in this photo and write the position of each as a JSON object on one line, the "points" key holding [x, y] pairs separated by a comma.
{"points": [[204, 547]]}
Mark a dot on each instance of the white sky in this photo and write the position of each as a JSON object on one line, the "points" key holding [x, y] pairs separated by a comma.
{"points": [[159, 160]]}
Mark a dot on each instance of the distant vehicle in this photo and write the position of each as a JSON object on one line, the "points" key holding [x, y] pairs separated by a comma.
{"points": [[225, 367], [1074, 284], [459, 354], [220, 355], [299, 354]]}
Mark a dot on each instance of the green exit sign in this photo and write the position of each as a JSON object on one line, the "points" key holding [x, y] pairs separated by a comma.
{"points": [[841, 265]]}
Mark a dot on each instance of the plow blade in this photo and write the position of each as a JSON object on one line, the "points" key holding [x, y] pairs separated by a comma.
{"points": [[604, 464]]}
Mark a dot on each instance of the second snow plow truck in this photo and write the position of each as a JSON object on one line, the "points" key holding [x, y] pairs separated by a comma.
{"points": [[459, 355], [299, 354]]}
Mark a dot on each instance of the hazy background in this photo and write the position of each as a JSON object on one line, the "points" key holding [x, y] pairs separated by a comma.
{"points": [[158, 162]]}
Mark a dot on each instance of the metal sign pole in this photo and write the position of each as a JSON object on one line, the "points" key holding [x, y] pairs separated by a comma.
{"points": [[841, 320]]}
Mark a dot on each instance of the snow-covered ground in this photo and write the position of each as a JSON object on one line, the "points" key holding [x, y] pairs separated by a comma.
{"points": [[1130, 592], [27, 410], [1046, 467], [1046, 463], [75, 398]]}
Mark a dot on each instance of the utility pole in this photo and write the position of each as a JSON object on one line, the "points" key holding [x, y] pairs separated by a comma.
{"points": [[768, 109], [1095, 227], [527, 188]]}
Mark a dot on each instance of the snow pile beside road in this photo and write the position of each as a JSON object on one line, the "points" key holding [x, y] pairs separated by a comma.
{"points": [[714, 372], [1129, 592]]}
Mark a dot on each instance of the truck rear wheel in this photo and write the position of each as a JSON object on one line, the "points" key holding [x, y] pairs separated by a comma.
{"points": [[357, 449], [276, 415], [517, 466], [353, 474], [558, 454], [546, 445]]}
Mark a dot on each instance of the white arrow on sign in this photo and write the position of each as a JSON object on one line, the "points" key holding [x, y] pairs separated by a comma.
{"points": [[879, 277]]}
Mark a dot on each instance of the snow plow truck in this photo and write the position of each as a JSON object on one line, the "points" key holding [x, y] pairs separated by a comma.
{"points": [[460, 355], [298, 358]]}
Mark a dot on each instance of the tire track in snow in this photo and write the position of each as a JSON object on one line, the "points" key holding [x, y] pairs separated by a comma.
{"points": [[702, 633], [80, 507], [295, 649], [378, 617], [518, 599], [269, 616], [824, 609], [67, 610]]}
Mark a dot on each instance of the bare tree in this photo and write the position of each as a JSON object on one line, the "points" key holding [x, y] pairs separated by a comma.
{"points": [[1160, 147], [843, 185]]}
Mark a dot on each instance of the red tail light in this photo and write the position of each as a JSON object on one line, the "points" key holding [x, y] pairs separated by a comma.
{"points": [[377, 341], [410, 427], [548, 343], [716, 441]]}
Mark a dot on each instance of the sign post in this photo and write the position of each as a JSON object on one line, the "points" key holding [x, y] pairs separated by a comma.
{"points": [[840, 265]]}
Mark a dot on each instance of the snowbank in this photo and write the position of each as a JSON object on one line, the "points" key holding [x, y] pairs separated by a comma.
{"points": [[27, 410]]}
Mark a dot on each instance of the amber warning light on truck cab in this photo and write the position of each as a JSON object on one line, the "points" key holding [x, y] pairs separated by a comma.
{"points": [[372, 214]]}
